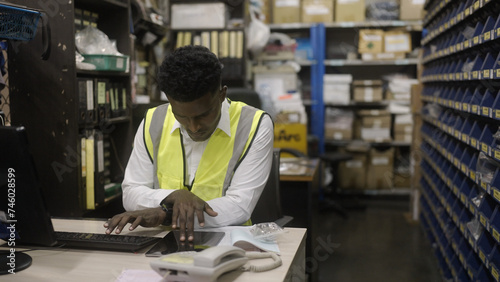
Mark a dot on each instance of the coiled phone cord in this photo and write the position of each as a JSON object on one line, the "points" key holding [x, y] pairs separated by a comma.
{"points": [[260, 268]]}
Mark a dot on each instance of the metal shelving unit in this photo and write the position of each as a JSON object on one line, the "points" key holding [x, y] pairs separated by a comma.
{"points": [[460, 206]]}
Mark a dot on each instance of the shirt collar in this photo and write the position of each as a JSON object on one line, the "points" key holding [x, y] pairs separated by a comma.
{"points": [[224, 123]]}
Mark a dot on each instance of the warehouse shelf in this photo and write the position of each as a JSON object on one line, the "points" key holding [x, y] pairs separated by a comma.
{"points": [[461, 13], [412, 25], [397, 62]]}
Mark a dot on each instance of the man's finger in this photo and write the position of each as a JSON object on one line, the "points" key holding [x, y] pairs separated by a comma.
{"points": [[190, 225], [136, 223], [111, 224], [201, 217], [210, 211], [124, 220], [182, 225]]}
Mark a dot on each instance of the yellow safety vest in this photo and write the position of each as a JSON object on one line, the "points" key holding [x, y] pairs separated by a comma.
{"points": [[220, 159]]}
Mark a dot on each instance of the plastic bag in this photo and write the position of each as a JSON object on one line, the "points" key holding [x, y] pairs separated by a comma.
{"points": [[91, 40], [257, 34], [496, 136], [486, 167], [266, 231]]}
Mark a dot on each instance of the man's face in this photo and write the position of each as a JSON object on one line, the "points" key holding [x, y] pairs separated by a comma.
{"points": [[200, 117]]}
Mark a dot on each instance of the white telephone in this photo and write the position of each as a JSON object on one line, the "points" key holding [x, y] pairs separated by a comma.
{"points": [[206, 265]]}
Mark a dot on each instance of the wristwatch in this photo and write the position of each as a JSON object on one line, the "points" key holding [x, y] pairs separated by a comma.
{"points": [[168, 209]]}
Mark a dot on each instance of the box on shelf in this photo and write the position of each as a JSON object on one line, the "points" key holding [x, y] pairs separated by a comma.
{"points": [[338, 124], [403, 128], [416, 101], [411, 10], [383, 56], [352, 173], [317, 11], [380, 168], [199, 15], [371, 41], [367, 90], [400, 88], [350, 10], [372, 125], [337, 89], [397, 42], [108, 62], [266, 11], [289, 132], [286, 11]]}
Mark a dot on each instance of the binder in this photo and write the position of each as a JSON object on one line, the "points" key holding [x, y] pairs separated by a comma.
{"points": [[239, 44], [82, 101], [214, 42], [205, 39], [114, 99], [102, 98], [89, 183], [180, 39], [91, 113], [232, 44], [124, 99], [83, 166], [187, 38], [224, 44], [99, 168]]}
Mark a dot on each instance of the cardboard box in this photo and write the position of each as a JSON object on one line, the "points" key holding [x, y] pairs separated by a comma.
{"points": [[371, 41], [266, 11], [350, 10], [405, 137], [402, 180], [411, 10], [352, 173], [416, 100], [338, 124], [367, 91], [397, 42], [291, 135], [286, 11], [372, 125], [317, 11], [380, 168], [203, 15]]}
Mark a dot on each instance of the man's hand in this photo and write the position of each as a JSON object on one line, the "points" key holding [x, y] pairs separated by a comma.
{"points": [[186, 205], [148, 218]]}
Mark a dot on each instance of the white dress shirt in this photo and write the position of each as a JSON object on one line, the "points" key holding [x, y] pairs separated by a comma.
{"points": [[241, 197]]}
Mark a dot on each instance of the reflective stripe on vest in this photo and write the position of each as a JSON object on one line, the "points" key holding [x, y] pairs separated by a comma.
{"points": [[220, 159]]}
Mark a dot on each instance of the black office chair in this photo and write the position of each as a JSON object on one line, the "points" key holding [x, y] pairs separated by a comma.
{"points": [[245, 95], [268, 208]]}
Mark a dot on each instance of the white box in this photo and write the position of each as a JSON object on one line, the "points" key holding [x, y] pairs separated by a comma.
{"points": [[337, 78], [207, 15], [338, 94]]}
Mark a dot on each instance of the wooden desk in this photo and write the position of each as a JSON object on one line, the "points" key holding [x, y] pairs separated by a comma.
{"points": [[300, 181], [52, 264]]}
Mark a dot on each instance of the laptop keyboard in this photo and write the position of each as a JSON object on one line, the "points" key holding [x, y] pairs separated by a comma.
{"points": [[103, 241]]}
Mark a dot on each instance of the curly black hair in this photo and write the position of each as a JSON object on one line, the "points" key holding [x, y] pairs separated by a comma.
{"points": [[189, 73]]}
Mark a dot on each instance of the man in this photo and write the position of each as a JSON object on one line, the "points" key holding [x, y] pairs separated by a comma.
{"points": [[200, 160]]}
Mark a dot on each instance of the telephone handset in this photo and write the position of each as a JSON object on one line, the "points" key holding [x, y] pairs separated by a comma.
{"points": [[206, 265]]}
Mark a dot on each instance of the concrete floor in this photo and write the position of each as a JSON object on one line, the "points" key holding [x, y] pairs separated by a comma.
{"points": [[374, 244]]}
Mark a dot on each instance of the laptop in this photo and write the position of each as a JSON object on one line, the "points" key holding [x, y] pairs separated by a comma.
{"points": [[23, 213]]}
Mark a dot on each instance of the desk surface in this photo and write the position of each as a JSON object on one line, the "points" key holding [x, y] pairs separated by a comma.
{"points": [[298, 169], [50, 264]]}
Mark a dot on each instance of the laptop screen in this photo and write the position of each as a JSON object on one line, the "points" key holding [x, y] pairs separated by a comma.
{"points": [[22, 210]]}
